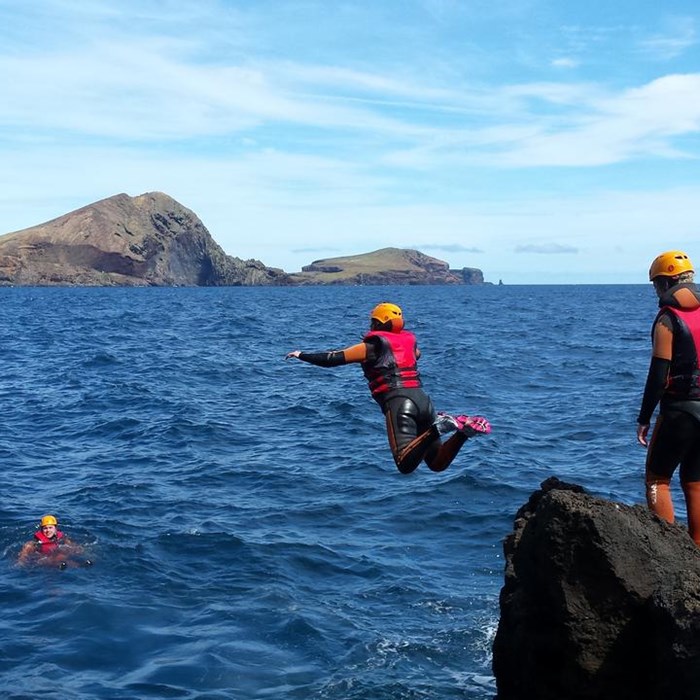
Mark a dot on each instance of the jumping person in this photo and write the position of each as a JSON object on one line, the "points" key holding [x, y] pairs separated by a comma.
{"points": [[388, 355], [673, 381]]}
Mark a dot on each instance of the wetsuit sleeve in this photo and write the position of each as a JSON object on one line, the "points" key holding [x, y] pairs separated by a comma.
{"points": [[656, 381], [657, 378], [334, 358]]}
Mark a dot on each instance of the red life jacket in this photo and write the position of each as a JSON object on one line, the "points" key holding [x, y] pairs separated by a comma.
{"points": [[46, 545], [395, 366], [684, 376]]}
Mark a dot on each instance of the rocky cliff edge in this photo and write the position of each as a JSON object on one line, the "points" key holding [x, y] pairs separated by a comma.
{"points": [[601, 601]]}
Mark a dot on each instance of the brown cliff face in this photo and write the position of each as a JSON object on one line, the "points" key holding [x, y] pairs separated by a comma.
{"points": [[128, 241]]}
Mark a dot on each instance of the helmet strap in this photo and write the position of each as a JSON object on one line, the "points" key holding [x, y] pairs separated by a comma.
{"points": [[663, 284]]}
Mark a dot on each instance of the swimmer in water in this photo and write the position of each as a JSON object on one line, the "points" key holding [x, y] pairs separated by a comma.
{"points": [[51, 547]]}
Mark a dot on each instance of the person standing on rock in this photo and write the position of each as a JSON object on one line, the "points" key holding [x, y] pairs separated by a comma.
{"points": [[673, 382], [388, 355]]}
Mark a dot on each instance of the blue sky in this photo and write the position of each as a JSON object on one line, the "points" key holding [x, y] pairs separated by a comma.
{"points": [[543, 142]]}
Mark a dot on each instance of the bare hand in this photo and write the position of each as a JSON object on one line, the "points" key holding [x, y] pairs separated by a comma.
{"points": [[642, 431], [294, 353]]}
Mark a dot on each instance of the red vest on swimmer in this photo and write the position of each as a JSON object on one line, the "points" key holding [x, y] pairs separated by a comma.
{"points": [[46, 545], [395, 366], [684, 376]]}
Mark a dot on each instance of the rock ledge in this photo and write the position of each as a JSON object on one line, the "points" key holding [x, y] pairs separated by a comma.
{"points": [[601, 600]]}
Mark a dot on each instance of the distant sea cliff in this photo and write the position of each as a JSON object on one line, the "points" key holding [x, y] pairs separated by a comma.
{"points": [[153, 240]]}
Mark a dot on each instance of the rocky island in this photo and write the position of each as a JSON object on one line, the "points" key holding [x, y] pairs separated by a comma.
{"points": [[386, 266], [153, 240], [126, 241]]}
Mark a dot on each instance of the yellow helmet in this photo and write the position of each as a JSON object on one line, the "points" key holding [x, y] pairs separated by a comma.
{"points": [[48, 520], [670, 264], [386, 313]]}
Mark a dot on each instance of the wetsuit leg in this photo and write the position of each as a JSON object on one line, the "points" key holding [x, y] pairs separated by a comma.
{"points": [[662, 460], [404, 420], [691, 491], [440, 455], [440, 459], [412, 436], [690, 474], [675, 440]]}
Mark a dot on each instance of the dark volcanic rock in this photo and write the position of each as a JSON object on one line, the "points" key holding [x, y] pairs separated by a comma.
{"points": [[472, 275], [130, 241], [601, 600]]}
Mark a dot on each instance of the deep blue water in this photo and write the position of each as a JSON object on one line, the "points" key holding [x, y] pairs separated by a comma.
{"points": [[251, 535]]}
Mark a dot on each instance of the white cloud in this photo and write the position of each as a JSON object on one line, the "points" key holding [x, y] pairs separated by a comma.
{"points": [[447, 247], [680, 34], [141, 91], [565, 63], [634, 123], [146, 89], [545, 248]]}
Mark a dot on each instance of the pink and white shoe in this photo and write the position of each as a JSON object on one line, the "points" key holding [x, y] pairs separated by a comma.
{"points": [[473, 425]]}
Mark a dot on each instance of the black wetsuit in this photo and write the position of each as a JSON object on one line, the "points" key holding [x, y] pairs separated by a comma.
{"points": [[675, 386]]}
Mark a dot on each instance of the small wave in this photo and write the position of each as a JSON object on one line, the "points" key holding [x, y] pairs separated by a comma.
{"points": [[101, 359]]}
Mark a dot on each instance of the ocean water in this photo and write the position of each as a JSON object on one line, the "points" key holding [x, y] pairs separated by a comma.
{"points": [[251, 536]]}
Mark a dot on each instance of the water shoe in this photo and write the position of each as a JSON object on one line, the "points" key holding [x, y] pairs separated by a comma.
{"points": [[473, 425]]}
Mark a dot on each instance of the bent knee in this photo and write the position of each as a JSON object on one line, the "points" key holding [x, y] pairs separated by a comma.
{"points": [[406, 468]]}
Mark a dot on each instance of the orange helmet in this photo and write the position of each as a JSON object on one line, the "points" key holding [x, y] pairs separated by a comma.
{"points": [[670, 264], [48, 520], [386, 313]]}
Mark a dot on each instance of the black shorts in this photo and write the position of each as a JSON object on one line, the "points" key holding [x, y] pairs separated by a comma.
{"points": [[675, 441]]}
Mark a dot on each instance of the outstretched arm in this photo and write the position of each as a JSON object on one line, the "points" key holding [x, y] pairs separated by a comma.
{"points": [[332, 358]]}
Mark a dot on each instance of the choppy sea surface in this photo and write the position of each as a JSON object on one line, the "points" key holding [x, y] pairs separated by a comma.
{"points": [[251, 536]]}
